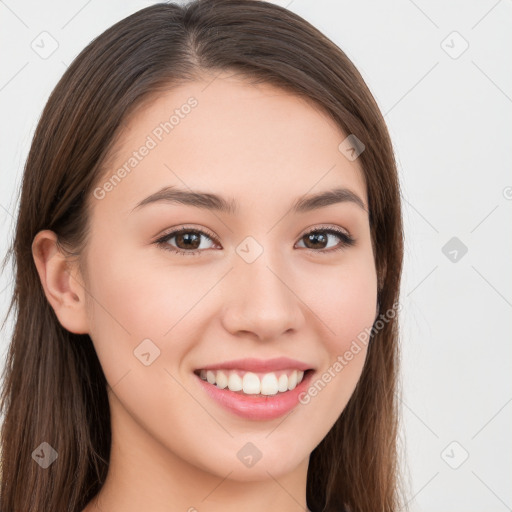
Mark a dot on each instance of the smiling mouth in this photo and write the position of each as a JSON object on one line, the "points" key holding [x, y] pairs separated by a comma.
{"points": [[254, 383]]}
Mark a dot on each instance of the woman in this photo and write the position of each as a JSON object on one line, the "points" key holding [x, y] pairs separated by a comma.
{"points": [[259, 374]]}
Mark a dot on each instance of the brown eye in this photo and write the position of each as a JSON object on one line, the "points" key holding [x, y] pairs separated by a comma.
{"points": [[318, 240], [186, 241]]}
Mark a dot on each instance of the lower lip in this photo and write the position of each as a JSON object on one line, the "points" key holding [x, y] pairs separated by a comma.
{"points": [[256, 407]]}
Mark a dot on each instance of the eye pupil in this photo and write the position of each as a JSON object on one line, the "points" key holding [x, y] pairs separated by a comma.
{"points": [[315, 237], [187, 237]]}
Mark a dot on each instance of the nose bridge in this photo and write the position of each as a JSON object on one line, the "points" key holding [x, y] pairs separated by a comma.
{"points": [[264, 282], [261, 300]]}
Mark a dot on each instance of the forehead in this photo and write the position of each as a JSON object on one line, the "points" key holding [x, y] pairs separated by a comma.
{"points": [[236, 139]]}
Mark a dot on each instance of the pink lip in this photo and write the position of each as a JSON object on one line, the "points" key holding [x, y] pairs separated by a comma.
{"points": [[257, 407], [259, 365]]}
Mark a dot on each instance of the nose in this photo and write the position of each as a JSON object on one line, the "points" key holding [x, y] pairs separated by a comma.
{"points": [[260, 300]]}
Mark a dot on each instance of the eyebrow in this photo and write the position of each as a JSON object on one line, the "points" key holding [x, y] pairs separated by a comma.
{"points": [[209, 201]]}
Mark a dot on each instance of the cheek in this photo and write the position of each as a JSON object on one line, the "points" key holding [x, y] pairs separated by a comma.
{"points": [[143, 296], [345, 302], [129, 303], [347, 309], [344, 298], [140, 295]]}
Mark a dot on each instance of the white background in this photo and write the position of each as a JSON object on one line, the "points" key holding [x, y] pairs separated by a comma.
{"points": [[449, 120]]}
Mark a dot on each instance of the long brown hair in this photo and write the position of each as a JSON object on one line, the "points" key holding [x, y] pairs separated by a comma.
{"points": [[54, 388]]}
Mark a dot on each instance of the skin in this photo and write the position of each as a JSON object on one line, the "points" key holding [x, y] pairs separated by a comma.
{"points": [[173, 448]]}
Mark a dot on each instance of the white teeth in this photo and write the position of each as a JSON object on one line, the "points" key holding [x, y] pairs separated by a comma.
{"points": [[282, 383], [269, 384], [222, 380], [253, 384], [292, 380], [235, 382]]}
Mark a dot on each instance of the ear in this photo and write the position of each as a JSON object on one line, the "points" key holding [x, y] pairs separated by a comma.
{"points": [[61, 281]]}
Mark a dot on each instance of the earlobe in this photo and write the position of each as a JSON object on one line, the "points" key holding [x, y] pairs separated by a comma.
{"points": [[61, 282]]}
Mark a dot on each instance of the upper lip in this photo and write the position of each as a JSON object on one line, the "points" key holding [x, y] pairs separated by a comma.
{"points": [[259, 365]]}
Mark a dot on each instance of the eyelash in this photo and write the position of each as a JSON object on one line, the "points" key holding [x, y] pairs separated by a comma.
{"points": [[346, 240]]}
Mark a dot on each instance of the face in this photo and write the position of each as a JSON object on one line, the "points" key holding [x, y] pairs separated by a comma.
{"points": [[180, 285]]}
